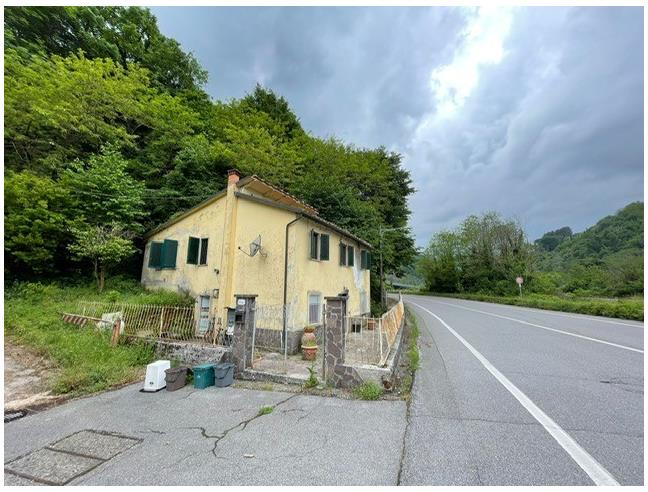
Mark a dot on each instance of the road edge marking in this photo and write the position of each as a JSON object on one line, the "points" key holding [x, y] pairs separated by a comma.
{"points": [[596, 471], [597, 340]]}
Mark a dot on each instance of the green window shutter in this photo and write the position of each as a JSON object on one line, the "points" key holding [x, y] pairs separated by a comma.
{"points": [[155, 255], [192, 250], [363, 259], [343, 254], [324, 247], [368, 260], [169, 252], [350, 256], [204, 242], [314, 239]]}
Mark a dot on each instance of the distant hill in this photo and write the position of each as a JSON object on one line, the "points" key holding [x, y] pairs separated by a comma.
{"points": [[410, 277], [611, 241]]}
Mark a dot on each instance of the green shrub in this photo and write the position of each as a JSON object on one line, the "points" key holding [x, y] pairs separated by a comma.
{"points": [[368, 391], [626, 308], [312, 380]]}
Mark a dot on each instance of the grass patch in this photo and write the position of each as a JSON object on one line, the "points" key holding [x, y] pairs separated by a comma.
{"points": [[412, 355], [368, 391], [624, 307], [266, 409], [86, 362]]}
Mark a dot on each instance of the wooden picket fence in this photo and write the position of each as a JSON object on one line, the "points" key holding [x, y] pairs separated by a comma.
{"points": [[164, 322]]}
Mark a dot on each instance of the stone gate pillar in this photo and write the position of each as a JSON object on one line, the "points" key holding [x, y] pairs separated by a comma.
{"points": [[335, 371], [242, 335]]}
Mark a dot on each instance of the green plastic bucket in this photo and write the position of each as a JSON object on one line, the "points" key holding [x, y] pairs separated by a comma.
{"points": [[203, 376]]}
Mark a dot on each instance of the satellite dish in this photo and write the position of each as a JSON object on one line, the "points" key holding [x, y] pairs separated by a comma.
{"points": [[255, 246]]}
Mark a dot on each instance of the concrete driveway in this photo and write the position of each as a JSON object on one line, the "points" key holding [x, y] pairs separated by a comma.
{"points": [[207, 437]]}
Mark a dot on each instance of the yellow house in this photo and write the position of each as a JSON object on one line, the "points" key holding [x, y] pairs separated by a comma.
{"points": [[253, 239]]}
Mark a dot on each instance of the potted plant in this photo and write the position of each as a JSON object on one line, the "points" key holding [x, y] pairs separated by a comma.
{"points": [[309, 350], [309, 343]]}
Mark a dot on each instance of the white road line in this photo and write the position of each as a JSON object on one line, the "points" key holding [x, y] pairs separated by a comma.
{"points": [[598, 474], [540, 326], [564, 315]]}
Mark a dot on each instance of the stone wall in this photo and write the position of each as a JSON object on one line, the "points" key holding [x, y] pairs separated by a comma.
{"points": [[192, 354]]}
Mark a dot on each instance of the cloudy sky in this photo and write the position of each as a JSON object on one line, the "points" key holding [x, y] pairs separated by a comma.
{"points": [[534, 112]]}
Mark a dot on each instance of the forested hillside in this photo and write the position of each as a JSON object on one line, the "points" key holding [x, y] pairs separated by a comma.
{"points": [[606, 258], [108, 132], [485, 255]]}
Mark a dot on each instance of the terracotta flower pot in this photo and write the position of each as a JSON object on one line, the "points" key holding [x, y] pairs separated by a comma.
{"points": [[309, 343], [309, 352], [371, 324], [308, 338]]}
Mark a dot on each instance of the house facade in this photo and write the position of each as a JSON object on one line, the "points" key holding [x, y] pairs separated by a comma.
{"points": [[253, 239]]}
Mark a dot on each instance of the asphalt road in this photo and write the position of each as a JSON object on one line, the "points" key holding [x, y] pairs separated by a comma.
{"points": [[518, 396]]}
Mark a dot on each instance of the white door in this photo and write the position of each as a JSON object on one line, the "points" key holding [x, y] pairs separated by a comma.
{"points": [[203, 324]]}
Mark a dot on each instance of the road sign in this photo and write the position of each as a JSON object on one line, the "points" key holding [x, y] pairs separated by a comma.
{"points": [[519, 281]]}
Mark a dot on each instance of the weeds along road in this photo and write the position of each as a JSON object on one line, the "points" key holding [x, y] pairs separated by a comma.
{"points": [[509, 396]]}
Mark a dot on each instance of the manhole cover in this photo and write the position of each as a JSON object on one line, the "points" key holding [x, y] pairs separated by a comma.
{"points": [[100, 445], [51, 467], [69, 458]]}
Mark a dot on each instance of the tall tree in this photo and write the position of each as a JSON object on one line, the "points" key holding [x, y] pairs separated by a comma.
{"points": [[124, 34], [104, 246], [103, 192], [266, 101]]}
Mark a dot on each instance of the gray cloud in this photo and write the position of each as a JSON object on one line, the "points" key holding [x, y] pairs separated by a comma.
{"points": [[551, 131]]}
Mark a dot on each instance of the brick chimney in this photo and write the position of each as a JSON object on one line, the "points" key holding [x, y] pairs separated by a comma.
{"points": [[233, 176]]}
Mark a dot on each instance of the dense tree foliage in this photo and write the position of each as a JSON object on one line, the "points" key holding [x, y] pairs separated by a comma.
{"points": [[127, 35], [550, 240], [106, 122], [485, 254]]}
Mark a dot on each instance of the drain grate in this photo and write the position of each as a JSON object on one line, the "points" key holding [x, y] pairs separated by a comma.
{"points": [[70, 457]]}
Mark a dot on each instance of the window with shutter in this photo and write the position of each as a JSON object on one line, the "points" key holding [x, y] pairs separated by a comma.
{"points": [[314, 240], [343, 254], [350, 256], [204, 242], [368, 260], [155, 255], [169, 252], [324, 247], [363, 259], [192, 250]]}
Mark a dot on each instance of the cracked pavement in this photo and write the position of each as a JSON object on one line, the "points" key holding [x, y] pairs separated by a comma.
{"points": [[217, 437], [466, 428]]}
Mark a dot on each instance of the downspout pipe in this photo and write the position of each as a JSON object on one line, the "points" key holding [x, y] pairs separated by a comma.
{"points": [[285, 279]]}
